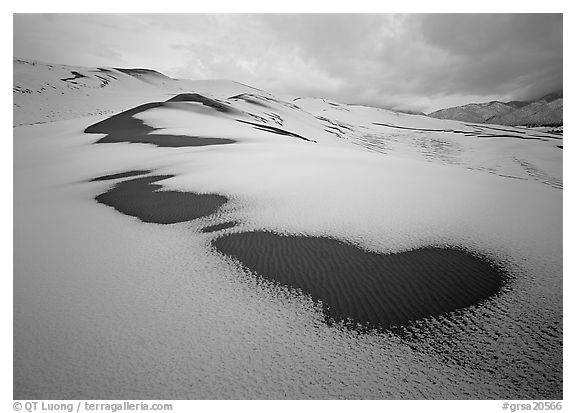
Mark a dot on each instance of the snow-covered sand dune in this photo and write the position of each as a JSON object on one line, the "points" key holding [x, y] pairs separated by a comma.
{"points": [[196, 244]]}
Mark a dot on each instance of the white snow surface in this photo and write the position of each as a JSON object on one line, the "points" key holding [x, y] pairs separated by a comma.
{"points": [[108, 307], [42, 93]]}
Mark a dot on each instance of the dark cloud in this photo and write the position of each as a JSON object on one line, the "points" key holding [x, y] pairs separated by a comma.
{"points": [[474, 34], [516, 54], [420, 62]]}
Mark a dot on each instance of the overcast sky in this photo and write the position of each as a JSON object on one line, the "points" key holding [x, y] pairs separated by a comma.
{"points": [[419, 61]]}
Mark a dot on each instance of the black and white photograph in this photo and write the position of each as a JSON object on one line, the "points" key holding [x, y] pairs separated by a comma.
{"points": [[287, 206]]}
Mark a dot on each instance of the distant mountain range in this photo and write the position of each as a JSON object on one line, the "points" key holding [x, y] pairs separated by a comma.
{"points": [[545, 111]]}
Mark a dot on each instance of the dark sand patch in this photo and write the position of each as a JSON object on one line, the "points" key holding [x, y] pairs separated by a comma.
{"points": [[123, 127], [120, 175], [143, 199], [375, 290], [219, 227], [278, 131], [76, 76]]}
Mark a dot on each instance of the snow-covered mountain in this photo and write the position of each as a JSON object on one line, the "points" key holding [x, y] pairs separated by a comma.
{"points": [[180, 239], [545, 111]]}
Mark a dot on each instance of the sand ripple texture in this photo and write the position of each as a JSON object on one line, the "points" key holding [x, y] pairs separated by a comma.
{"points": [[362, 287]]}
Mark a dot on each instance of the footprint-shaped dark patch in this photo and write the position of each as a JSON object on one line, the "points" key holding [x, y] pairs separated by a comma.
{"points": [[374, 290], [142, 198]]}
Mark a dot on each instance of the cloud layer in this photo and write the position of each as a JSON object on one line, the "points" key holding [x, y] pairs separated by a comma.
{"points": [[417, 62]]}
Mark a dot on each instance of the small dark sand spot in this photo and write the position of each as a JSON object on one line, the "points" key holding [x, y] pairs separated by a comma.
{"points": [[142, 198], [219, 227], [374, 290], [124, 127], [76, 76], [119, 175]]}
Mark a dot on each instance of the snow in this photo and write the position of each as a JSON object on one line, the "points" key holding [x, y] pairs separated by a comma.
{"points": [[107, 307], [41, 93]]}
